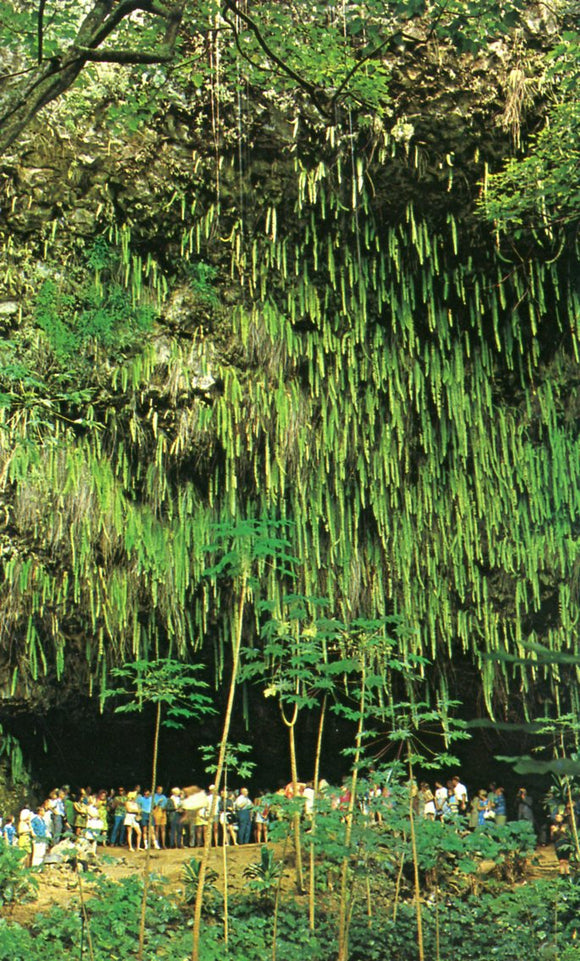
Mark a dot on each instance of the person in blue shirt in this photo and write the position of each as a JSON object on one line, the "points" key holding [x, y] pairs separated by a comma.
{"points": [[500, 806], [160, 818], [159, 799], [9, 833], [145, 802], [39, 837]]}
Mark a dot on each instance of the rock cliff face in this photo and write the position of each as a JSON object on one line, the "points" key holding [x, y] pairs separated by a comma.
{"points": [[263, 313]]}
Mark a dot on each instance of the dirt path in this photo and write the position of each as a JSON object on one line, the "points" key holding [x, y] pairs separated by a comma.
{"points": [[57, 886], [544, 864]]}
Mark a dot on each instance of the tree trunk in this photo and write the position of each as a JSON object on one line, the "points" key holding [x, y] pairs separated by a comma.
{"points": [[148, 840], [420, 945], [296, 815], [219, 771], [343, 918], [312, 877]]}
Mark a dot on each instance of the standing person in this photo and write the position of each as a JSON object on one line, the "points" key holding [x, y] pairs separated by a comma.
{"points": [[160, 818], [441, 805], [562, 844], [110, 812], [426, 802], [132, 814], [173, 809], [50, 812], [474, 813], [103, 811], [243, 807], [119, 812], [58, 815], [25, 834], [524, 807], [81, 816], [145, 802], [460, 792], [70, 813], [483, 808], [309, 796], [227, 817], [95, 829], [261, 812], [202, 821], [9, 833], [452, 801], [39, 836], [193, 804], [47, 815], [215, 805], [500, 806]]}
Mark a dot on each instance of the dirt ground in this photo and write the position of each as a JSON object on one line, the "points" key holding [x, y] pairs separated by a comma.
{"points": [[58, 886]]}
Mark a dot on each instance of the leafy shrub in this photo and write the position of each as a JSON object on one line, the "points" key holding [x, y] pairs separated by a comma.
{"points": [[17, 884], [263, 875], [93, 314], [509, 846], [17, 944], [536, 920], [201, 277], [113, 916], [190, 878]]}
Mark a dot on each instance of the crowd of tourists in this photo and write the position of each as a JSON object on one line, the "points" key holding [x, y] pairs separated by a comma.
{"points": [[183, 817], [137, 819]]}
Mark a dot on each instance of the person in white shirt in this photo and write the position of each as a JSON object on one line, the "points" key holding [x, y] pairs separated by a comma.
{"points": [[309, 800], [243, 808], [460, 792], [427, 807], [441, 802]]}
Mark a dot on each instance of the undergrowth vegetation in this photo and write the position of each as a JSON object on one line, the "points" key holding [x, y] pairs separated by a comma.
{"points": [[536, 920]]}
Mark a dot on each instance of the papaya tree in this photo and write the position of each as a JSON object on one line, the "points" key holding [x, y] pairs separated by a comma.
{"points": [[237, 761], [242, 551], [175, 690], [291, 665]]}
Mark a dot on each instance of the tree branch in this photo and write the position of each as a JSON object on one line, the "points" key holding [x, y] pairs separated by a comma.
{"points": [[313, 92], [310, 89], [96, 29], [109, 55], [50, 78], [100, 14], [41, 6]]}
